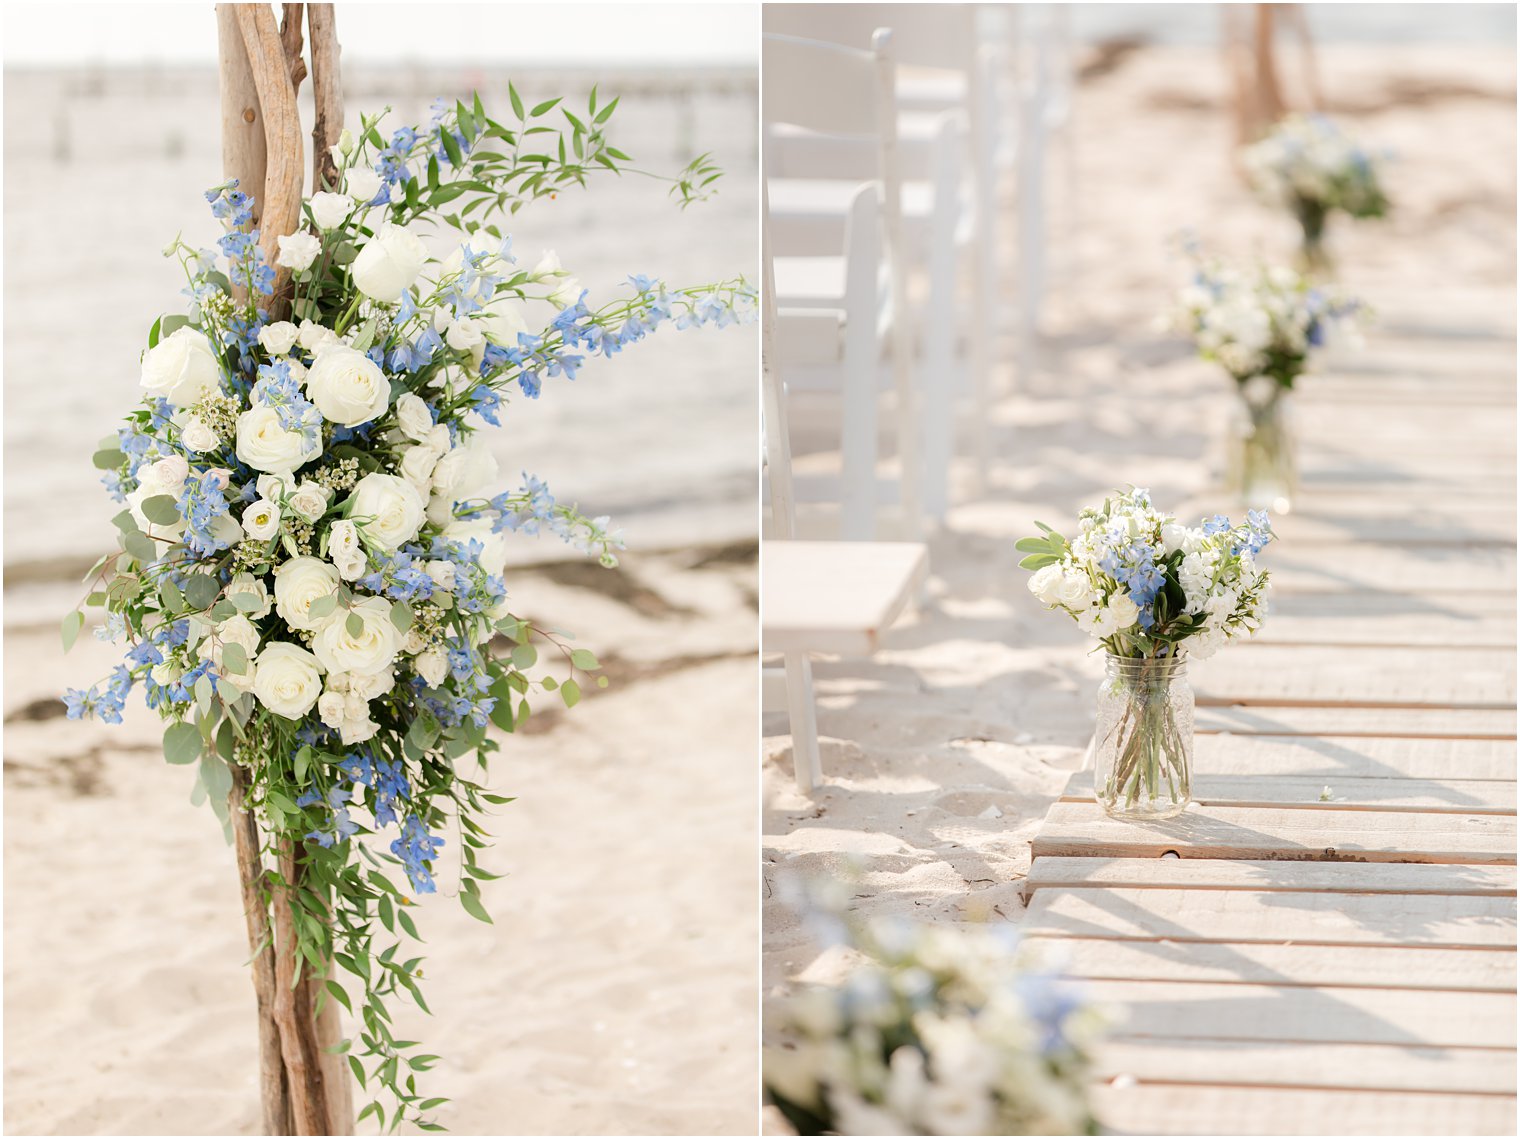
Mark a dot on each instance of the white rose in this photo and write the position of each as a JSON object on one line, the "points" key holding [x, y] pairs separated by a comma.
{"points": [[1074, 591], [288, 680], [417, 465], [566, 293], [312, 336], [468, 471], [182, 368], [432, 666], [330, 210], [297, 584], [298, 250], [164, 477], [247, 583], [197, 437], [265, 445], [279, 338], [413, 416], [1044, 581], [357, 730], [371, 650], [330, 708], [261, 521], [363, 183], [388, 264], [439, 439], [441, 572], [236, 630], [388, 509], [309, 500], [347, 386], [464, 335], [414, 642], [346, 551], [273, 485], [493, 559], [1123, 611], [368, 685], [501, 320]]}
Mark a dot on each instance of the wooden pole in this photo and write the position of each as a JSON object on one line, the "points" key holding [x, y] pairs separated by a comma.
{"points": [[327, 94]]}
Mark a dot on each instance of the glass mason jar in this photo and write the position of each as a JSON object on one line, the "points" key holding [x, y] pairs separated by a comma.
{"points": [[1262, 470], [1143, 745], [1313, 258]]}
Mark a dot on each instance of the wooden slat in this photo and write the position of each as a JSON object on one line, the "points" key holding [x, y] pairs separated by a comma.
{"points": [[1329, 758], [1083, 830], [1240, 874], [1495, 526], [1309, 918], [1427, 570], [1397, 619], [1375, 1067], [1453, 796], [1357, 677], [1172, 1109], [1415, 723], [1345, 966]]}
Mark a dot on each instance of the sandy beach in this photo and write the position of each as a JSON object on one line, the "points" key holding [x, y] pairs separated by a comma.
{"points": [[942, 753], [616, 991]]}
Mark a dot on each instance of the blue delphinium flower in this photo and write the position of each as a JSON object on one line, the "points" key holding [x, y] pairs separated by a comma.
{"points": [[416, 848]]}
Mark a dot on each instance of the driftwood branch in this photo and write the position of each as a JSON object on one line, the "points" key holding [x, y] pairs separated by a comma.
{"points": [[327, 94], [243, 148], [293, 1014], [281, 214], [290, 40]]}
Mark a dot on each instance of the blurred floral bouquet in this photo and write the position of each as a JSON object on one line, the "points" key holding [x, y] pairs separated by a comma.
{"points": [[939, 1031], [313, 543], [1309, 165], [1154, 593], [1261, 324]]}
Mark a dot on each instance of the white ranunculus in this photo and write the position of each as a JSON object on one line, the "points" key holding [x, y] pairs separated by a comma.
{"points": [[330, 210], [287, 680], [346, 550], [417, 465], [1044, 581], [297, 584], [363, 183], [247, 583], [182, 368], [261, 521], [309, 500], [493, 559], [371, 650], [468, 471], [313, 335], [413, 416], [197, 437], [388, 264], [1123, 611], [279, 338], [388, 509], [298, 250], [347, 386], [265, 445], [432, 666]]}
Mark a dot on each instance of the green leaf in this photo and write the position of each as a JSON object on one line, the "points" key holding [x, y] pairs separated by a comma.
{"points": [[140, 546], [182, 743], [70, 629], [524, 656], [1032, 546], [517, 103], [201, 590], [354, 624], [337, 991], [173, 600], [474, 907], [161, 509], [606, 112], [323, 606], [451, 148], [109, 460], [353, 1062], [401, 616], [303, 762], [570, 692], [407, 924], [172, 323], [1038, 561], [543, 108], [234, 658], [247, 600], [585, 660]]}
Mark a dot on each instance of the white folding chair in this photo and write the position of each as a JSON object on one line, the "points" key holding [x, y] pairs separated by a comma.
{"points": [[846, 94]]}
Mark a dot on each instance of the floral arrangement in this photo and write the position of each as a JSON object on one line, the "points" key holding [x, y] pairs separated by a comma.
{"points": [[936, 1031], [311, 573], [1311, 166], [1262, 322], [1146, 586]]}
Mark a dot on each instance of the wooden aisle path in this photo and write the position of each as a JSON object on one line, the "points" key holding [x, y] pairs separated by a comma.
{"points": [[1325, 942]]}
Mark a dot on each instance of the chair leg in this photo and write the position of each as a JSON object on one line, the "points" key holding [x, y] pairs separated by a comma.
{"points": [[806, 766]]}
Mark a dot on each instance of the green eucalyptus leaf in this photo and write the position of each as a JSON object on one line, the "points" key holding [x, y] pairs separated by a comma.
{"points": [[70, 629], [109, 460], [182, 743], [585, 660], [161, 510], [201, 590], [570, 693], [354, 624]]}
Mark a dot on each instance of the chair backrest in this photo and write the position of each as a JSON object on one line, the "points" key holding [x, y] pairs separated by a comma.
{"points": [[777, 459], [927, 35], [826, 87]]}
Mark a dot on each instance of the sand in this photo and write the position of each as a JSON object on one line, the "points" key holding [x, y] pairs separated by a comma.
{"points": [[616, 991], [943, 752]]}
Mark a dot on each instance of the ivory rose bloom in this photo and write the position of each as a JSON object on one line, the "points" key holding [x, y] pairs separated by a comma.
{"points": [[313, 335], [415, 419], [347, 386], [265, 445], [287, 680], [236, 630], [388, 264], [388, 509], [330, 210], [417, 465], [297, 584], [309, 500], [182, 368], [298, 250], [346, 550], [1044, 582], [1124, 611], [468, 471], [247, 583], [197, 437], [278, 338], [371, 650], [432, 666], [363, 183], [164, 477]]}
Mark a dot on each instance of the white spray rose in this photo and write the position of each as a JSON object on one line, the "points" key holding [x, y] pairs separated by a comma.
{"points": [[1075, 590], [265, 445], [309, 500], [261, 521], [432, 666], [1123, 611], [468, 471], [279, 338], [236, 630], [182, 368], [346, 550], [330, 708], [417, 465], [347, 386], [388, 509], [370, 650], [465, 335], [313, 335], [246, 583], [441, 572], [197, 437], [330, 210], [298, 250], [363, 183], [299, 583], [1044, 582], [388, 264], [413, 416], [368, 685], [288, 680]]}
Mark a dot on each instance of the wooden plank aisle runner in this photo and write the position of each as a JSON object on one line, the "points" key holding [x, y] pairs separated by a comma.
{"points": [[1325, 942]]}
